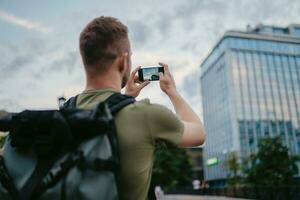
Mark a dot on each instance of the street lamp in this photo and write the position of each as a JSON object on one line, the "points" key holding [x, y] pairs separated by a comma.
{"points": [[61, 101]]}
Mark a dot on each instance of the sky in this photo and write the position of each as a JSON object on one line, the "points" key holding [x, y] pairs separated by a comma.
{"points": [[40, 59]]}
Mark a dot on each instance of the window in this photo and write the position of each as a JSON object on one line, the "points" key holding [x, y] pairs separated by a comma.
{"points": [[274, 128], [296, 31], [278, 30], [258, 129], [265, 124]]}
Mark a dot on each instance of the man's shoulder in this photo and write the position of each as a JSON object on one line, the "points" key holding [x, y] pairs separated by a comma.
{"points": [[143, 102], [146, 106], [150, 111]]}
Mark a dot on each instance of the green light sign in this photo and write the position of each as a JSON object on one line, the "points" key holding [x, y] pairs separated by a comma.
{"points": [[212, 161]]}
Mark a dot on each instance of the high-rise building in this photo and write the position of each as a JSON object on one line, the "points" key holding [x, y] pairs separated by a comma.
{"points": [[250, 86]]}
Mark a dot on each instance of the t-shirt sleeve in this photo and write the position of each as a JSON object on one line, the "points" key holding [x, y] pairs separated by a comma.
{"points": [[164, 124]]}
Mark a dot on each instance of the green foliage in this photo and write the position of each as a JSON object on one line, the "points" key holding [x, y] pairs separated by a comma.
{"points": [[172, 167], [272, 165], [233, 165]]}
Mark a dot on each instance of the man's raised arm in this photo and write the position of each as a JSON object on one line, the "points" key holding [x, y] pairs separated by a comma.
{"points": [[193, 134]]}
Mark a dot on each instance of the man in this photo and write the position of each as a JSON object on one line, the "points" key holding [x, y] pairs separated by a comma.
{"points": [[106, 55]]}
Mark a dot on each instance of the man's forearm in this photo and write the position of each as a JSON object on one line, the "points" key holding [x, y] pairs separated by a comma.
{"points": [[182, 109], [194, 133]]}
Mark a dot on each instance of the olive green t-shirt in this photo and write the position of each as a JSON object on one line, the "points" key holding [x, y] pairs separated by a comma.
{"points": [[139, 126]]}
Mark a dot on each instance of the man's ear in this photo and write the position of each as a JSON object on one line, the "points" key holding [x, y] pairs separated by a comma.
{"points": [[123, 62]]}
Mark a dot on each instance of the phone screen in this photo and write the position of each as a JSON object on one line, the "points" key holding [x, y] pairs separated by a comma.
{"points": [[150, 73]]}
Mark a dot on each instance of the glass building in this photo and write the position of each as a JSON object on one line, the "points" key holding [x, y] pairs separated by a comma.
{"points": [[250, 86]]}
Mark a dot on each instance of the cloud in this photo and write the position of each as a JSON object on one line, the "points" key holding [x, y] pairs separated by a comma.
{"points": [[8, 103], [190, 83], [140, 32], [17, 63], [68, 61], [24, 23], [180, 33], [22, 56]]}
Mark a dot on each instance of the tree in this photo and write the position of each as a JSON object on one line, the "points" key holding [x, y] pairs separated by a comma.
{"points": [[172, 167], [2, 113], [233, 165], [272, 165]]}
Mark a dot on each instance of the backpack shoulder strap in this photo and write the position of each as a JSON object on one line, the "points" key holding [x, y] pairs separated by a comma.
{"points": [[6, 180], [71, 103], [117, 101], [29, 190]]}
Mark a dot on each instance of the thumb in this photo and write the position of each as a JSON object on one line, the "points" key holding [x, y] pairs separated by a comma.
{"points": [[161, 75]]}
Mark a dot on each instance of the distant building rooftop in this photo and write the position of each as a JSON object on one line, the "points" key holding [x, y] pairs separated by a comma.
{"points": [[291, 30], [289, 34]]}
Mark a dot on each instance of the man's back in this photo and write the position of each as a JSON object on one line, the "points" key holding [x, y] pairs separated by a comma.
{"points": [[139, 125]]}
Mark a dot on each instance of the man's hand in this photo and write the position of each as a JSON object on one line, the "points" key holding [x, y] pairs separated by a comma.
{"points": [[166, 80], [134, 86]]}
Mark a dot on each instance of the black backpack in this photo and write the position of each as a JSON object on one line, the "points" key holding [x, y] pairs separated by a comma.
{"points": [[62, 154]]}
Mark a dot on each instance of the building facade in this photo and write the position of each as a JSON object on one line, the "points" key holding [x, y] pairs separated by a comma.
{"points": [[250, 86]]}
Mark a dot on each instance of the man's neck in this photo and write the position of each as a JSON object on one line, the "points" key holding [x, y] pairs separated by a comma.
{"points": [[107, 81]]}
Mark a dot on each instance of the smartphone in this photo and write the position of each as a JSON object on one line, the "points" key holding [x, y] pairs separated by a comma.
{"points": [[150, 73]]}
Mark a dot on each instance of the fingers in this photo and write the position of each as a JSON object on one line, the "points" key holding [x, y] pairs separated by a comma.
{"points": [[161, 76], [132, 75], [136, 79], [166, 67]]}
